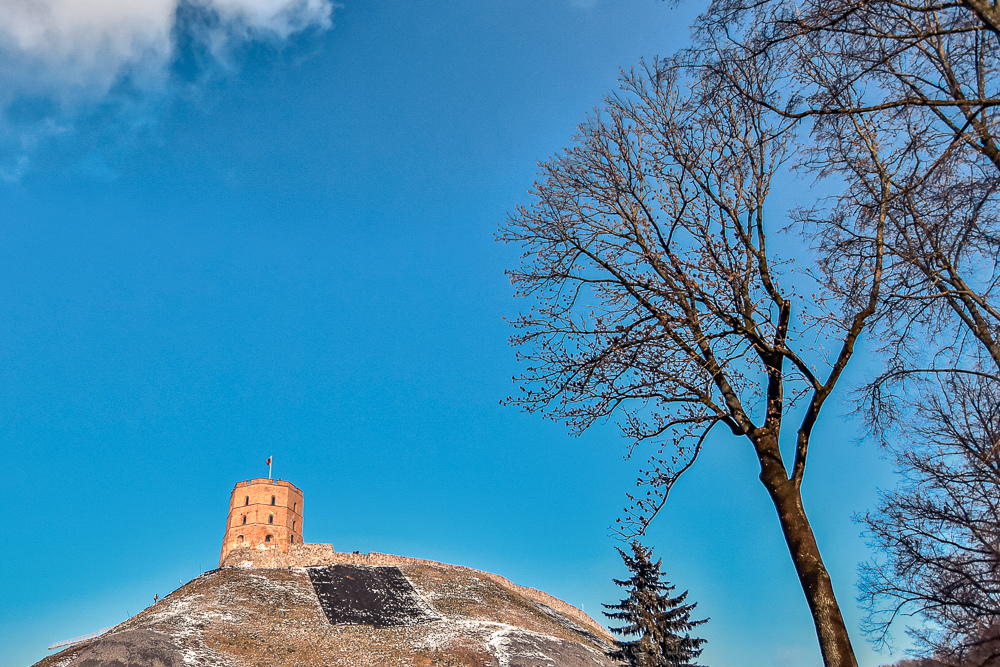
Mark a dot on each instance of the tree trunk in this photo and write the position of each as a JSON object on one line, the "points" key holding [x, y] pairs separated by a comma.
{"points": [[834, 642]]}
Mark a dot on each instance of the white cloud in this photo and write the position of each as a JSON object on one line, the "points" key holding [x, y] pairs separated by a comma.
{"points": [[89, 43], [61, 55], [280, 17]]}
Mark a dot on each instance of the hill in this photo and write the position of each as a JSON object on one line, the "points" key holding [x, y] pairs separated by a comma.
{"points": [[313, 607]]}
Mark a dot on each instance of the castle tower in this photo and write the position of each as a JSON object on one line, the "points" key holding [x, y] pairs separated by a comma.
{"points": [[263, 514]]}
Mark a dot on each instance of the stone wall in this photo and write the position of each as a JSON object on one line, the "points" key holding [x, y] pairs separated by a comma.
{"points": [[309, 555], [299, 555]]}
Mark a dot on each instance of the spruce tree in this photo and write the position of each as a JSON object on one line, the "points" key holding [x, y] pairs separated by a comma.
{"points": [[659, 624]]}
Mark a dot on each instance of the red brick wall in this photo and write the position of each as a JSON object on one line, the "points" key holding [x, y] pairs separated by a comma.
{"points": [[259, 508]]}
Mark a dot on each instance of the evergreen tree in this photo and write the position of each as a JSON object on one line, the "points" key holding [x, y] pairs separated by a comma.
{"points": [[660, 624]]}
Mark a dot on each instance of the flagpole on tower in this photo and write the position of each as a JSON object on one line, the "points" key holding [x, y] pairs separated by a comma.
{"points": [[268, 462]]}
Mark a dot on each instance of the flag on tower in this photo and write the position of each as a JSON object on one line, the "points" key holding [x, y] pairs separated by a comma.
{"points": [[268, 461]]}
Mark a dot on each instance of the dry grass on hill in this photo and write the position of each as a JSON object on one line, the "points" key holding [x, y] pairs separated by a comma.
{"points": [[255, 617]]}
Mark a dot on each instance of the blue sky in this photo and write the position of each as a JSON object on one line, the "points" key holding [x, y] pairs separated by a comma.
{"points": [[283, 244]]}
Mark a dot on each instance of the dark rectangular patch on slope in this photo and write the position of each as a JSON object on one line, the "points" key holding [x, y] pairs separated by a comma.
{"points": [[361, 595]]}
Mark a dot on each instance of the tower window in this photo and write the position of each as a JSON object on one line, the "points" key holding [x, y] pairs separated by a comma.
{"points": [[272, 500], [293, 524], [295, 507], [267, 539], [270, 519], [292, 541], [246, 501], [239, 538], [244, 519]]}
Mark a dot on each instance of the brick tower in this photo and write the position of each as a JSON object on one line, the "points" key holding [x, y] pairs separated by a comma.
{"points": [[263, 514]]}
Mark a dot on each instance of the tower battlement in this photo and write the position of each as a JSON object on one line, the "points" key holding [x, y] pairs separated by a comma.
{"points": [[263, 514]]}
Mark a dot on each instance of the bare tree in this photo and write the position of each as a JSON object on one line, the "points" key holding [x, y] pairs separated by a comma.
{"points": [[940, 531], [937, 314], [924, 76], [656, 297]]}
